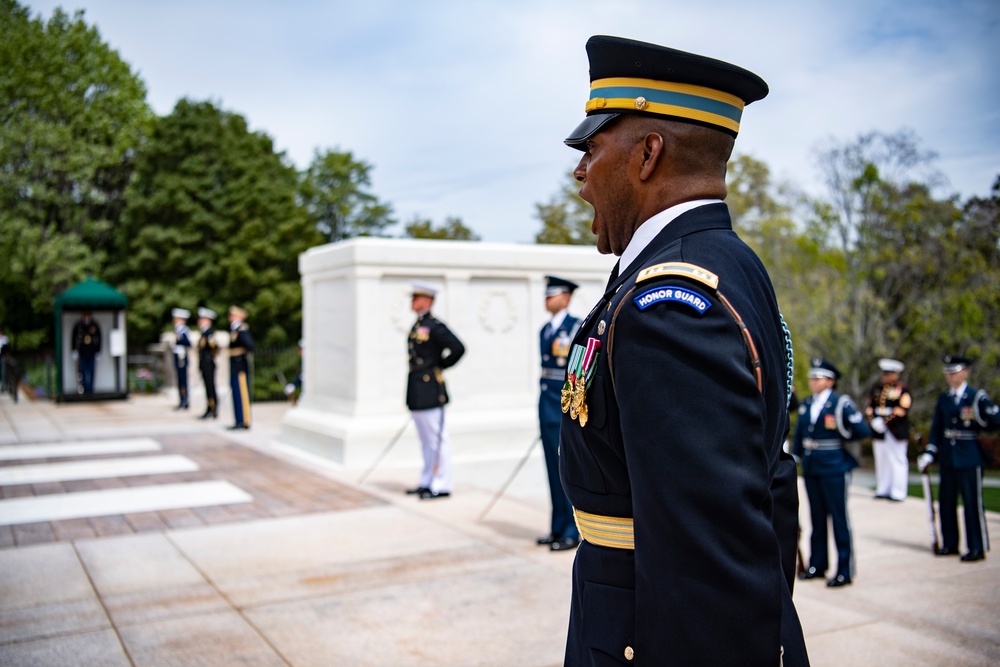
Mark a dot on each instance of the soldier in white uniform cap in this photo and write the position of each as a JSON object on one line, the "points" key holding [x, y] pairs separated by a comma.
{"points": [[432, 348], [888, 408]]}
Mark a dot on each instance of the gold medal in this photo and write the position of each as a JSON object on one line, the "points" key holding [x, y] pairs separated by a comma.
{"points": [[566, 397], [584, 412], [600, 328]]}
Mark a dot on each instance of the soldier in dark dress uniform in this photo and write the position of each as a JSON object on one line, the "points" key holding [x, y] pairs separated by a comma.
{"points": [[675, 402], [86, 345], [961, 414], [888, 411], [241, 348], [207, 349], [432, 348], [556, 337], [182, 348], [828, 420]]}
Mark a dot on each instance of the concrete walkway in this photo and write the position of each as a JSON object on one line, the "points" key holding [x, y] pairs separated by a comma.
{"points": [[307, 567]]}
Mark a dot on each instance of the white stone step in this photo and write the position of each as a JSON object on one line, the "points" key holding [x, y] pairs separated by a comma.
{"points": [[84, 504]]}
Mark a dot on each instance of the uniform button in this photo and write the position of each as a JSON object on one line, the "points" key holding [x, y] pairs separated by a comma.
{"points": [[629, 653], [427, 378], [545, 357]]}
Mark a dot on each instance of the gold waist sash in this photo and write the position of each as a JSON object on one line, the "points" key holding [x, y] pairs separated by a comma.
{"points": [[607, 531]]}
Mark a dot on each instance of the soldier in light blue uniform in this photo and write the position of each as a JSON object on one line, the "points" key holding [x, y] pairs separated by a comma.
{"points": [[556, 338], [182, 349], [828, 420], [960, 415]]}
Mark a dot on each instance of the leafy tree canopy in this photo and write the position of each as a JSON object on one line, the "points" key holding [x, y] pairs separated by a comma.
{"points": [[334, 191], [72, 116], [453, 229], [212, 219]]}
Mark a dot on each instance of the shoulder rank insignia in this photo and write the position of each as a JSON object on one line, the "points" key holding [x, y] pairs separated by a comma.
{"points": [[682, 269], [676, 293]]}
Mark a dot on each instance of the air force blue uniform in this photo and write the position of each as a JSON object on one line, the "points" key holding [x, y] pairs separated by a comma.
{"points": [[826, 468], [555, 346], [953, 443]]}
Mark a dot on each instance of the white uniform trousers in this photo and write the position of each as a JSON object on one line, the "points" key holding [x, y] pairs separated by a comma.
{"points": [[436, 446], [891, 467]]}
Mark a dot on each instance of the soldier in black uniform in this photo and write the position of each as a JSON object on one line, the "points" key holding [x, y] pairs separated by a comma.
{"points": [[207, 349], [86, 344], [675, 402], [241, 347], [888, 411], [432, 348], [960, 415], [182, 348]]}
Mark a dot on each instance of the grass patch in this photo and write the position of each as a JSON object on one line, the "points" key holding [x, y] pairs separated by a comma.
{"points": [[991, 495]]}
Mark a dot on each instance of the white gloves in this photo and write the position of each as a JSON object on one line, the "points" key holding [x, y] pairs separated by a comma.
{"points": [[924, 460], [75, 355], [878, 425], [289, 389]]}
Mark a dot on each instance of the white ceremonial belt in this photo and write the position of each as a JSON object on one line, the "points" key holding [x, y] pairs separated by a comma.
{"points": [[955, 434], [809, 443], [554, 374]]}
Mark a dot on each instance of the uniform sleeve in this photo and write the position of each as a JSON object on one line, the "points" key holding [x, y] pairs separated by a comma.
{"points": [[246, 340], [853, 421], [449, 341], [708, 581], [987, 411]]}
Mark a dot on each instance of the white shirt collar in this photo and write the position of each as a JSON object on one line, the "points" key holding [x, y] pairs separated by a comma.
{"points": [[558, 318], [648, 230], [961, 389]]}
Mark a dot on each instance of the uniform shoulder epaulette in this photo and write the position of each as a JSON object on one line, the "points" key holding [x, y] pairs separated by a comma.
{"points": [[682, 269]]}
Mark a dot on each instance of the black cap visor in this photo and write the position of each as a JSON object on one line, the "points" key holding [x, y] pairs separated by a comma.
{"points": [[590, 126]]}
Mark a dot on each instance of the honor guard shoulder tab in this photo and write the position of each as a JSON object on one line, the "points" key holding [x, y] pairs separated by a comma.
{"points": [[682, 269]]}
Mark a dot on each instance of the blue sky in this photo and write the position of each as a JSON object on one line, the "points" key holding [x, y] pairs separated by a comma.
{"points": [[461, 106]]}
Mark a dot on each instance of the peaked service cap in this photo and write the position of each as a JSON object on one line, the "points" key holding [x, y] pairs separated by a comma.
{"points": [[631, 77]]}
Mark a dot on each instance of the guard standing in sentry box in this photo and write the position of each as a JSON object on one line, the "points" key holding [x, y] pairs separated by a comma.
{"points": [[675, 401]]}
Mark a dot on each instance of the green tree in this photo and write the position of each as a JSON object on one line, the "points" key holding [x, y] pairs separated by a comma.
{"points": [[212, 219], [334, 191], [566, 218], [453, 229], [72, 117]]}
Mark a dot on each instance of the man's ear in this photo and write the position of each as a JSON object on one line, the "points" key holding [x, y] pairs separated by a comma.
{"points": [[653, 148]]}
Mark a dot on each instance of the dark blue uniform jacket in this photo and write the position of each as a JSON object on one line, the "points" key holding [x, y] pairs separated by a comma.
{"points": [[555, 347], [956, 427], [820, 446], [681, 438], [432, 348]]}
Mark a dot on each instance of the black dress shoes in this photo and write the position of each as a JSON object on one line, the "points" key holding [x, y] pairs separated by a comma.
{"points": [[838, 581], [420, 490], [548, 539], [946, 551], [564, 544], [973, 556], [811, 573], [430, 495], [208, 413], [238, 427]]}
